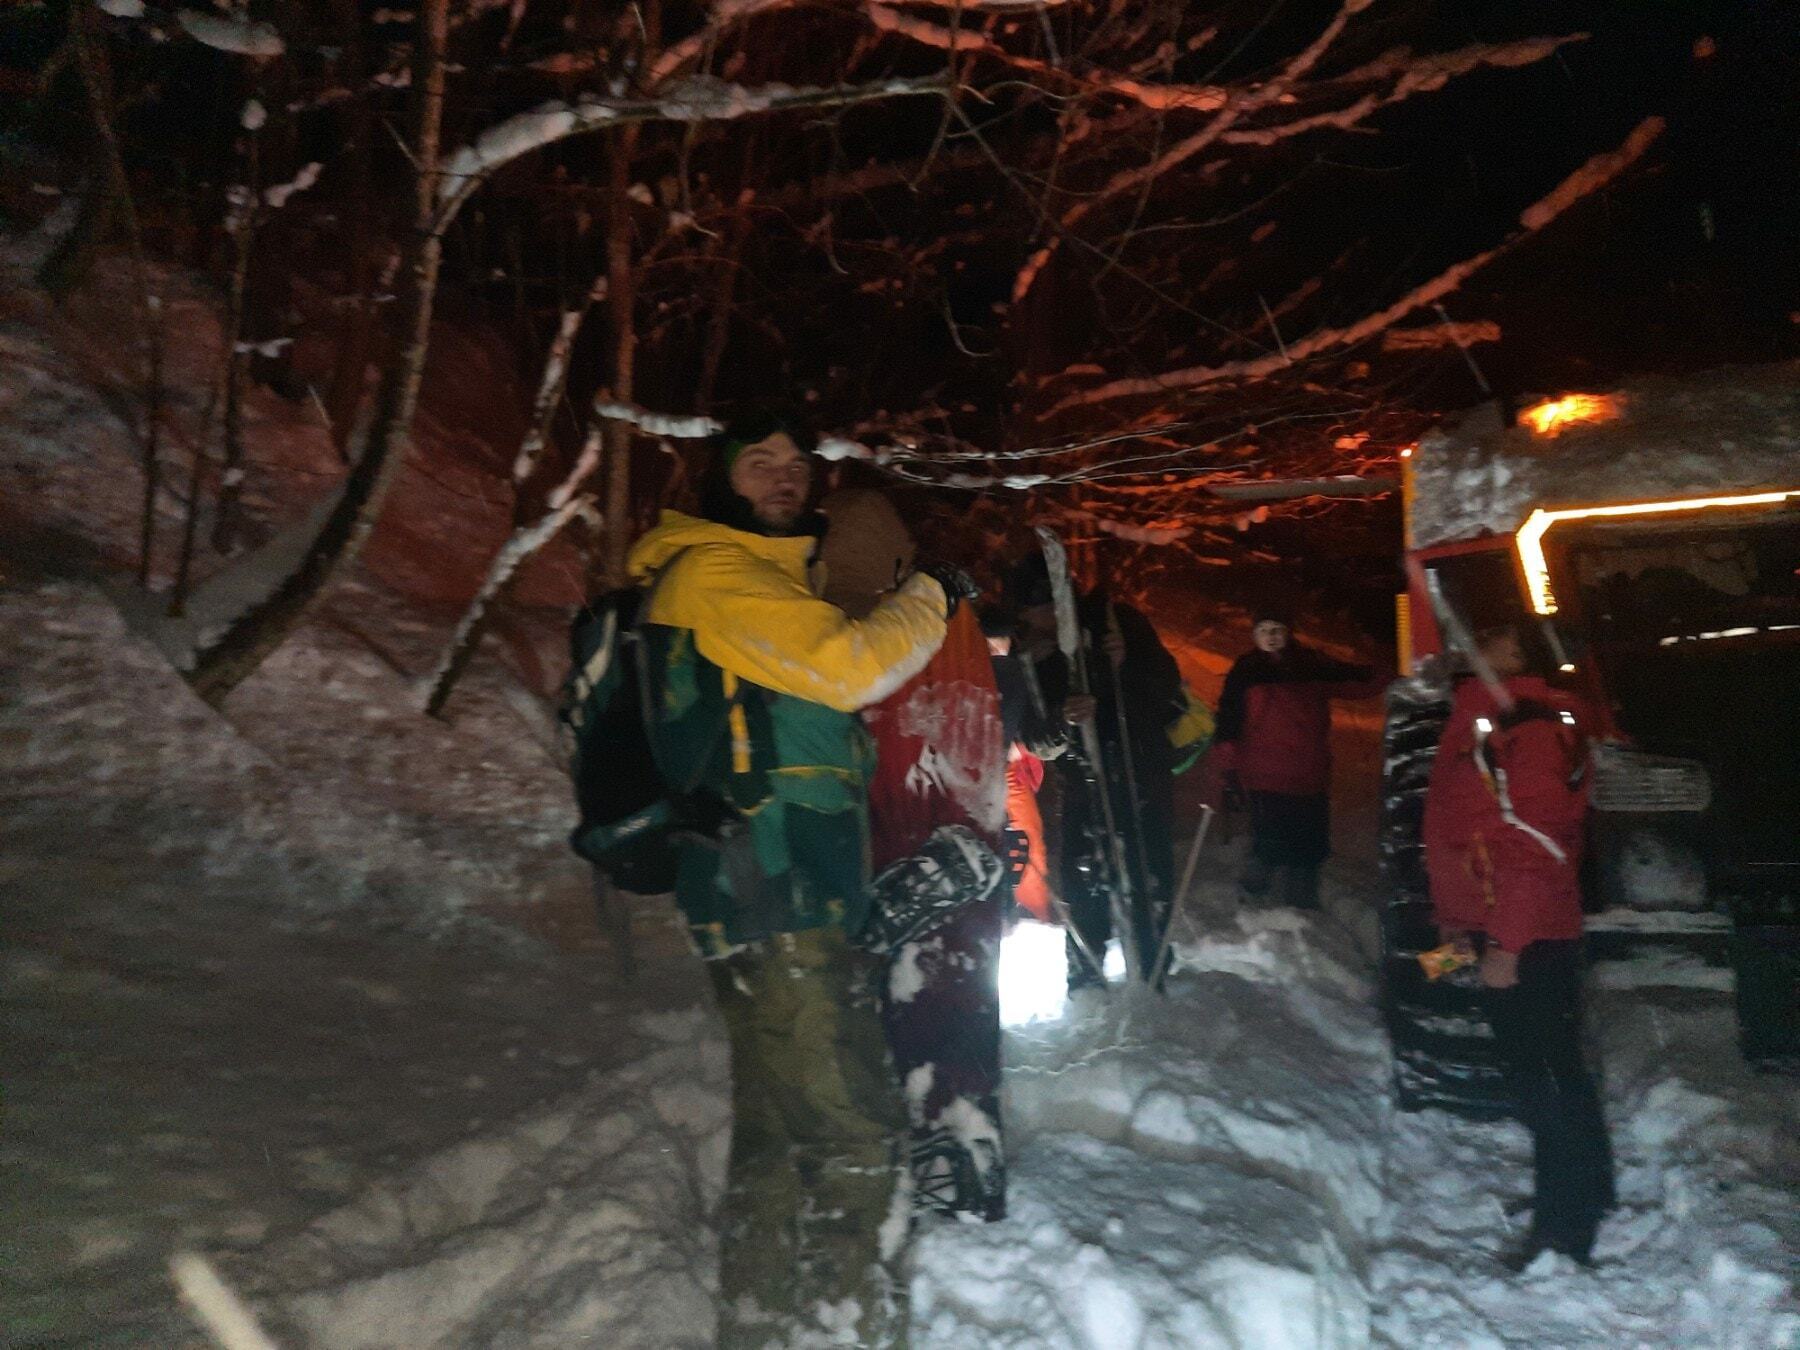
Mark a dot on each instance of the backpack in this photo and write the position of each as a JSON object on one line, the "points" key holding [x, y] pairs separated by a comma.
{"points": [[626, 816], [1192, 730]]}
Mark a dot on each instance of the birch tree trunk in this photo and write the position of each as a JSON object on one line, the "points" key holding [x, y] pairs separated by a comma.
{"points": [[221, 667]]}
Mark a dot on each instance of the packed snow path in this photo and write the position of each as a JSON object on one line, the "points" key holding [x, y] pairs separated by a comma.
{"points": [[1224, 1167]]}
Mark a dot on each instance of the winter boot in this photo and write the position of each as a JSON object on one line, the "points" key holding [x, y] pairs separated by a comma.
{"points": [[1575, 1242]]}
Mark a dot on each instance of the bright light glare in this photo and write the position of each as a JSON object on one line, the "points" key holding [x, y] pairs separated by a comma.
{"points": [[1549, 418], [1530, 536], [1034, 974]]}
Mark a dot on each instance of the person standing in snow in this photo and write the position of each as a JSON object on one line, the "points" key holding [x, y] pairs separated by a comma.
{"points": [[1127, 664], [1272, 746], [1505, 818], [940, 763], [753, 683]]}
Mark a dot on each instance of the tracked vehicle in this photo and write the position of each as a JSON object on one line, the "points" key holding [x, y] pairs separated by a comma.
{"points": [[1650, 538]]}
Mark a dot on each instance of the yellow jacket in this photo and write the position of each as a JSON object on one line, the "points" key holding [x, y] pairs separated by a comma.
{"points": [[746, 600]]}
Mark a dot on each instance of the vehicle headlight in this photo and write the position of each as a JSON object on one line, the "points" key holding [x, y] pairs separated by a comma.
{"points": [[1629, 780]]}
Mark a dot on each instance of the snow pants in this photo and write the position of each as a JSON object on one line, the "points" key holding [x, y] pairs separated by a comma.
{"points": [[941, 1009], [812, 1185], [1290, 835], [1537, 1024]]}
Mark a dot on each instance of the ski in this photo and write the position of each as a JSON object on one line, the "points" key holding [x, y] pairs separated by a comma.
{"points": [[1068, 641]]}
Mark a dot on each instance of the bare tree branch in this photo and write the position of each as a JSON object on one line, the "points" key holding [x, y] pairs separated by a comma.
{"points": [[1595, 174], [691, 100]]}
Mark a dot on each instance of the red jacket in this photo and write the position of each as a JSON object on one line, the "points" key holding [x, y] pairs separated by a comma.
{"points": [[940, 753], [1489, 874], [1274, 724]]}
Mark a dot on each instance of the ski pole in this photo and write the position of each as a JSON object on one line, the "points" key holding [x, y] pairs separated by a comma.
{"points": [[1178, 907]]}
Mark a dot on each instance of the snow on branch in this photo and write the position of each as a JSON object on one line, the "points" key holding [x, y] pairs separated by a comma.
{"points": [[521, 545], [672, 425], [553, 381], [695, 99], [1589, 178], [231, 35]]}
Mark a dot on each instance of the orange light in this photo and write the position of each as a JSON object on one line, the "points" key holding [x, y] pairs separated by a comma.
{"points": [[1530, 536], [1406, 451], [1549, 419]]}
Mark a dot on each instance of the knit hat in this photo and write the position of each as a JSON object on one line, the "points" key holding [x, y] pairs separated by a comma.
{"points": [[1273, 611]]}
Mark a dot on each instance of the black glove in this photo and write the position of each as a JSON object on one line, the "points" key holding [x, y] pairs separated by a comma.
{"points": [[958, 585]]}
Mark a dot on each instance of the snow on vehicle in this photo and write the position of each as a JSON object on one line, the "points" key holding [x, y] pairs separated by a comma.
{"points": [[1650, 538]]}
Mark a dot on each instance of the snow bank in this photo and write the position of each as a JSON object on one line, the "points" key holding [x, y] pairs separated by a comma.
{"points": [[1200, 1170], [1736, 429], [584, 1223]]}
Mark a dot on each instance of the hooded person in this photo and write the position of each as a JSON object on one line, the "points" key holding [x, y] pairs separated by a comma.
{"points": [[1505, 818], [752, 686], [940, 771], [1272, 741], [1128, 667]]}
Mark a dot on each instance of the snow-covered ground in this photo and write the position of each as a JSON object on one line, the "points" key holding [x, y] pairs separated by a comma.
{"points": [[1224, 1167], [312, 986], [269, 999]]}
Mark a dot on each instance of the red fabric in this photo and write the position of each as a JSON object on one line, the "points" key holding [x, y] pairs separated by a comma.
{"points": [[1024, 775], [1286, 745], [1286, 741], [1488, 875], [940, 750]]}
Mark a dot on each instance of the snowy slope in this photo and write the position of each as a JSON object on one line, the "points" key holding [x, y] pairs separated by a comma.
{"points": [[226, 1032]]}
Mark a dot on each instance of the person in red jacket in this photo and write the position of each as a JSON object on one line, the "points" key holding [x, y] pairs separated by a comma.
{"points": [[1273, 743], [1505, 818]]}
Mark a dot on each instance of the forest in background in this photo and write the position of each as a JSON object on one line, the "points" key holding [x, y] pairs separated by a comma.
{"points": [[1145, 272]]}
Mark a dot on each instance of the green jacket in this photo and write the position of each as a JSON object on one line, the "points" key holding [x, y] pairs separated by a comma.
{"points": [[752, 686]]}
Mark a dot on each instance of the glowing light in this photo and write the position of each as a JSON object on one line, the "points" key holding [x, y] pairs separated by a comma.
{"points": [[1034, 974], [1567, 667], [1552, 417], [1530, 537], [1406, 451]]}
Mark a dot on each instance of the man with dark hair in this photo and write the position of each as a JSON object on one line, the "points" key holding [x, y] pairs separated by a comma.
{"points": [[1273, 743], [753, 683]]}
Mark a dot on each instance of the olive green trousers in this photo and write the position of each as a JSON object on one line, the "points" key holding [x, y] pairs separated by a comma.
{"points": [[814, 1186]]}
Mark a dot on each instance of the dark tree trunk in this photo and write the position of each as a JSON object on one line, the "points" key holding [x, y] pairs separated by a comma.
{"points": [[244, 646]]}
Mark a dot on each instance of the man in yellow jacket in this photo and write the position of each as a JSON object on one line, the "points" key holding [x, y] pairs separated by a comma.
{"points": [[753, 683]]}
